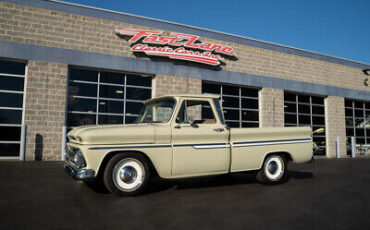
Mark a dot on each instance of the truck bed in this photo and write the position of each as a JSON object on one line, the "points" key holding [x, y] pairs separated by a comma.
{"points": [[249, 146]]}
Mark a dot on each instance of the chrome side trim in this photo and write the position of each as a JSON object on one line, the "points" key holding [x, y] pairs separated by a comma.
{"points": [[212, 145], [275, 142], [131, 147]]}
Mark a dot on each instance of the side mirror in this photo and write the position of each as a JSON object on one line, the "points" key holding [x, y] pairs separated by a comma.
{"points": [[190, 119], [320, 130]]}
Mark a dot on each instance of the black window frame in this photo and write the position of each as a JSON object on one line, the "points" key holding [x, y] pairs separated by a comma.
{"points": [[11, 125], [294, 103], [357, 113], [108, 117], [239, 94]]}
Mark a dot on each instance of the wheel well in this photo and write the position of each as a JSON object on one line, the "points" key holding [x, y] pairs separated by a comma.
{"points": [[286, 155], [112, 154]]}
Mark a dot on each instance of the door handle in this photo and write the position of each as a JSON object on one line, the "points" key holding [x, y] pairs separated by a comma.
{"points": [[177, 127], [219, 129]]}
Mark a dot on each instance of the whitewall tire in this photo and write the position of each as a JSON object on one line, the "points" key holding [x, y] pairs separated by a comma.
{"points": [[126, 174], [273, 171]]}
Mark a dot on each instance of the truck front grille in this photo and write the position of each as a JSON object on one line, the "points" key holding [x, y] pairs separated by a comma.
{"points": [[70, 153]]}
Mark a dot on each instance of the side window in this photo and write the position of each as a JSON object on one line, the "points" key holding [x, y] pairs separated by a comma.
{"points": [[192, 110]]}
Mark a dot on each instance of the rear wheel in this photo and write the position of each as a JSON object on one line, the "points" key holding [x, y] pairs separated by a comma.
{"points": [[126, 174], [273, 171]]}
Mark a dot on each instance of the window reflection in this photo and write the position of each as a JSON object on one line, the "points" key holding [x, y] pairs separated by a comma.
{"points": [[82, 105], [240, 104], [357, 116], [106, 106], [109, 119], [11, 103], [307, 110], [102, 97], [82, 89], [75, 119], [9, 150], [12, 67], [11, 100], [11, 83]]}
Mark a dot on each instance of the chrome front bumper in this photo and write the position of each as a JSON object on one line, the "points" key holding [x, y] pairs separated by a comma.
{"points": [[79, 174]]}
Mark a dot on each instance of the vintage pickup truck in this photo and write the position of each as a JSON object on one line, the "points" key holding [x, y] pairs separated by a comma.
{"points": [[181, 136]]}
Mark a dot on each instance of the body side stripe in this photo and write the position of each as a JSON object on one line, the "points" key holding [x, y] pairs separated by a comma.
{"points": [[212, 145], [257, 142], [280, 142]]}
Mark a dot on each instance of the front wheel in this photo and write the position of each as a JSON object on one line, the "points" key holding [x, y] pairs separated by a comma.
{"points": [[126, 174], [273, 171]]}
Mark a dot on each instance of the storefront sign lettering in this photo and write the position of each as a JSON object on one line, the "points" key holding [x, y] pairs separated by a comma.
{"points": [[176, 46]]}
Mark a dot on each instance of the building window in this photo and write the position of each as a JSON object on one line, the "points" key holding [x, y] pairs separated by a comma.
{"points": [[102, 97], [240, 104], [12, 76], [306, 110], [357, 115]]}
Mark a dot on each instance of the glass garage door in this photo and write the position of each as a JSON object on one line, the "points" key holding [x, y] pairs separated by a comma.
{"points": [[104, 97], [240, 104], [307, 110], [12, 77], [358, 125]]}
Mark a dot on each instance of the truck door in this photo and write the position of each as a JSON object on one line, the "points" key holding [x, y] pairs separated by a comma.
{"points": [[200, 140]]}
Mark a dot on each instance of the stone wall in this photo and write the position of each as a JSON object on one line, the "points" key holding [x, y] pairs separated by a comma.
{"points": [[271, 107], [44, 114], [164, 85], [335, 125]]}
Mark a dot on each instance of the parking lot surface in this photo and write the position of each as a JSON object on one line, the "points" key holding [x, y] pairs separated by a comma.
{"points": [[330, 194]]}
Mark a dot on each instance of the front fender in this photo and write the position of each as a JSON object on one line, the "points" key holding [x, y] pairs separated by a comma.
{"points": [[159, 155]]}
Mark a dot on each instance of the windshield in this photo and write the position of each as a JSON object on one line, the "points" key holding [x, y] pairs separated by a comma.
{"points": [[157, 111]]}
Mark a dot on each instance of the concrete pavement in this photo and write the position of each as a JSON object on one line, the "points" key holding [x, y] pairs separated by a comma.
{"points": [[330, 194]]}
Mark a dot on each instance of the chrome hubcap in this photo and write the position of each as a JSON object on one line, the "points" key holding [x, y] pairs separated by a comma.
{"points": [[128, 174], [272, 167]]}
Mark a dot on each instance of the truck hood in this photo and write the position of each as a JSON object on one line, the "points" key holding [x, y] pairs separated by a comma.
{"points": [[113, 134]]}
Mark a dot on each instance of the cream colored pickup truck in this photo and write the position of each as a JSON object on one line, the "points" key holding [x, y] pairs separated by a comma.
{"points": [[181, 136]]}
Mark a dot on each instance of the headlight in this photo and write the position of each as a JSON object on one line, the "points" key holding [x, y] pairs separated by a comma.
{"points": [[79, 159]]}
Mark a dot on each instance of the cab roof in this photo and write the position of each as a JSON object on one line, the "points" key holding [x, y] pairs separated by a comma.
{"points": [[184, 95]]}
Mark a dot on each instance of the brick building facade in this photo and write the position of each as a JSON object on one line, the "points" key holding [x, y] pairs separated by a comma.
{"points": [[70, 54]]}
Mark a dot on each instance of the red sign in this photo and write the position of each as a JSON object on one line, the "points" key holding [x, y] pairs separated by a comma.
{"points": [[174, 46]]}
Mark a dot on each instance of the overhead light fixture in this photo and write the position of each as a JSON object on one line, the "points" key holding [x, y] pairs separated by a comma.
{"points": [[366, 80], [102, 103], [119, 91]]}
